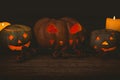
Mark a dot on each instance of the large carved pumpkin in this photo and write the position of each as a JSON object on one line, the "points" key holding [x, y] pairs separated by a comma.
{"points": [[105, 40], [76, 34], [60, 35], [15, 37], [51, 33]]}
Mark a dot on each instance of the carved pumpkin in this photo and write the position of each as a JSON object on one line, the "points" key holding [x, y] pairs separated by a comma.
{"points": [[15, 37], [105, 40], [59, 35], [51, 33], [76, 32], [3, 25]]}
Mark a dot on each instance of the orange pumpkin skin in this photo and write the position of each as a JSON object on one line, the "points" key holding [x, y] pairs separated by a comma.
{"points": [[14, 37], [50, 33]]}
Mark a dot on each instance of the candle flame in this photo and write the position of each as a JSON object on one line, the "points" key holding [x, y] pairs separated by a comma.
{"points": [[113, 17], [3, 24]]}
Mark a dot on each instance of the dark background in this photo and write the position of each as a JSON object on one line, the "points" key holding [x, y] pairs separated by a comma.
{"points": [[90, 13]]}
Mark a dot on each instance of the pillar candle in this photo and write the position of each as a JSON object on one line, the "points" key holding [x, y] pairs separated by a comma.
{"points": [[113, 23], [3, 25]]}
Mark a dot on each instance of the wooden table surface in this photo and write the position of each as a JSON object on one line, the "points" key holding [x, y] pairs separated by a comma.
{"points": [[44, 67]]}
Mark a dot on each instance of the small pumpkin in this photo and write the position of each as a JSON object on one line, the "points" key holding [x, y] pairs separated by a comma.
{"points": [[15, 37], [105, 40], [51, 33]]}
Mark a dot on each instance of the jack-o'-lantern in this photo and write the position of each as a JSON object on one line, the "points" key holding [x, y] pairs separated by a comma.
{"points": [[76, 34], [60, 35], [51, 33], [105, 40], [15, 37], [3, 25]]}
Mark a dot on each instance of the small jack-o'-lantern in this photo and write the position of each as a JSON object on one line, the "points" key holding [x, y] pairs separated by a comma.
{"points": [[105, 40], [50, 33], [76, 34], [15, 37], [3, 25]]}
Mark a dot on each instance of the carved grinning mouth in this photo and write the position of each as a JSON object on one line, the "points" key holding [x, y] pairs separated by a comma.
{"points": [[18, 48], [108, 49]]}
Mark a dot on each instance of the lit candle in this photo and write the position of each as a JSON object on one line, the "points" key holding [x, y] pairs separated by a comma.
{"points": [[3, 25], [113, 23]]}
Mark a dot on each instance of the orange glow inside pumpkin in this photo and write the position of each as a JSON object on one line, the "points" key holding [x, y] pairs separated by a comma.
{"points": [[108, 49], [70, 41], [51, 41], [75, 28], [18, 48], [19, 41], [61, 43], [97, 38], [25, 35], [111, 38], [95, 47], [11, 37], [52, 29], [105, 43]]}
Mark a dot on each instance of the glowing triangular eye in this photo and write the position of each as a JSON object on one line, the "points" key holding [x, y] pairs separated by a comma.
{"points": [[52, 29], [97, 38], [95, 47], [11, 37], [25, 35], [111, 38], [75, 28]]}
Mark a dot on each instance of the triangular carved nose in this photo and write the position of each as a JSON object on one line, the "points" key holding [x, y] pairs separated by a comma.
{"points": [[105, 43], [61, 43], [51, 42], [19, 42], [70, 41]]}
